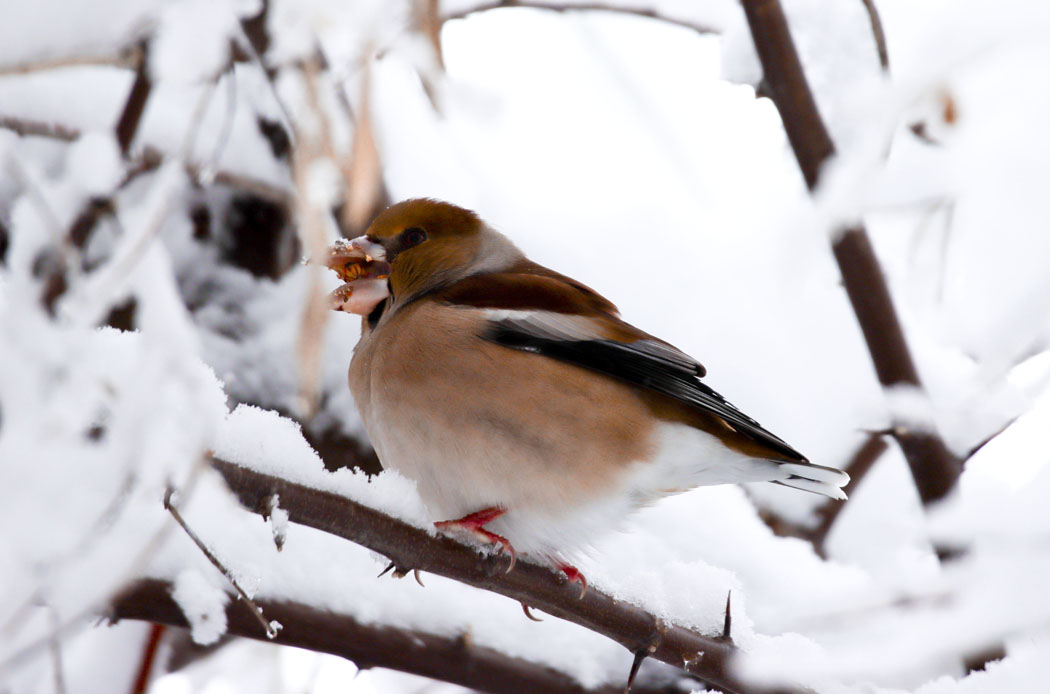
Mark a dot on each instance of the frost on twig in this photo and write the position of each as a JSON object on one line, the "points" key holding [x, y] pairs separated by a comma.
{"points": [[269, 627]]}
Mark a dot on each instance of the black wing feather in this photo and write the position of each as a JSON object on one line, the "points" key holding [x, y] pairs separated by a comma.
{"points": [[640, 364]]}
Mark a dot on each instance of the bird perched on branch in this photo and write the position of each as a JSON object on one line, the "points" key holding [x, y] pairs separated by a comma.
{"points": [[529, 414]]}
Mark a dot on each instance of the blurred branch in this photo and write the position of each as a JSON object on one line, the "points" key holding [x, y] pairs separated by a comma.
{"points": [[860, 463], [878, 33], [150, 159], [128, 123], [408, 547], [363, 172], [127, 58], [24, 127], [934, 469], [149, 656], [646, 12], [454, 659]]}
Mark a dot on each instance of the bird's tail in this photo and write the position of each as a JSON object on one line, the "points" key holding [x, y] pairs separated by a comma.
{"points": [[814, 478]]}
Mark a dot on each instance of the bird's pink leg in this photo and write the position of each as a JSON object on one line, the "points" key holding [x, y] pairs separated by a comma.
{"points": [[474, 524], [574, 576]]}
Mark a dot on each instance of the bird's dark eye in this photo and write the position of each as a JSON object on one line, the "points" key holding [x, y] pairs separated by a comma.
{"points": [[414, 236]]}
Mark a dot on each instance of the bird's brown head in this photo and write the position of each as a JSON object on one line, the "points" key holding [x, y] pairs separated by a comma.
{"points": [[430, 243]]}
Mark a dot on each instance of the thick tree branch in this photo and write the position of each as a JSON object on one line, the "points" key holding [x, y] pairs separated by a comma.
{"points": [[409, 547], [933, 468], [647, 12], [452, 659]]}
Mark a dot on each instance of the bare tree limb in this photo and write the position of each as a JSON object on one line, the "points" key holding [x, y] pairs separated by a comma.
{"points": [[706, 657], [934, 469], [452, 659], [646, 12]]}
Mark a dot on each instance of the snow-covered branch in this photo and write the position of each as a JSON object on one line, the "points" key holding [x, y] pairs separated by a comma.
{"points": [[449, 658], [411, 548]]}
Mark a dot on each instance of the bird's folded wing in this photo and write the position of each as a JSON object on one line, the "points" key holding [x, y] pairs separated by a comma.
{"points": [[589, 334]]}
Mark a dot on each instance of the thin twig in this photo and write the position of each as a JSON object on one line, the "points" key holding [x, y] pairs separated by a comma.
{"points": [[878, 33], [125, 59], [647, 12], [56, 652], [33, 128], [271, 631], [149, 655], [208, 169]]}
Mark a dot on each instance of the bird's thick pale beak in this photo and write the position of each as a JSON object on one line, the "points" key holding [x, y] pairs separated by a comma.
{"points": [[357, 259], [371, 249], [361, 264]]}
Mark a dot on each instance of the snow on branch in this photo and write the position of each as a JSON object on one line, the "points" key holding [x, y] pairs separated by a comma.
{"points": [[454, 659], [408, 547]]}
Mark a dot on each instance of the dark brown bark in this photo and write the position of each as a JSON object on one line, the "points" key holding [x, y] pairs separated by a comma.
{"points": [[128, 123], [149, 656], [452, 659], [408, 547], [933, 467]]}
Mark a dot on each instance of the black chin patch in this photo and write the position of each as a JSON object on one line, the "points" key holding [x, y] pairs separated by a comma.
{"points": [[377, 313]]}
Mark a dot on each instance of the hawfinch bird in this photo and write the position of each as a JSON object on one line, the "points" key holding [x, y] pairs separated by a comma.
{"points": [[527, 411]]}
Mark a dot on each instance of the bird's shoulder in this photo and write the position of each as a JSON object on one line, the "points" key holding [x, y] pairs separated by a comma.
{"points": [[526, 285]]}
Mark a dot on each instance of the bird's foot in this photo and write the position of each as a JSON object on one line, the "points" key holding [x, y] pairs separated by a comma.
{"points": [[574, 576], [474, 524]]}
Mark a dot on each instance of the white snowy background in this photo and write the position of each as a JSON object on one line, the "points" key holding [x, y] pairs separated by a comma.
{"points": [[631, 153]]}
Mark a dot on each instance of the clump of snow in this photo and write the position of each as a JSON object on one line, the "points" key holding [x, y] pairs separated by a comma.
{"points": [[203, 604], [278, 518], [193, 39], [269, 443], [910, 408], [94, 162]]}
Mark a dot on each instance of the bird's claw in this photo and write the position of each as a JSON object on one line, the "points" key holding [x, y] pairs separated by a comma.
{"points": [[574, 576], [528, 613], [474, 524]]}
